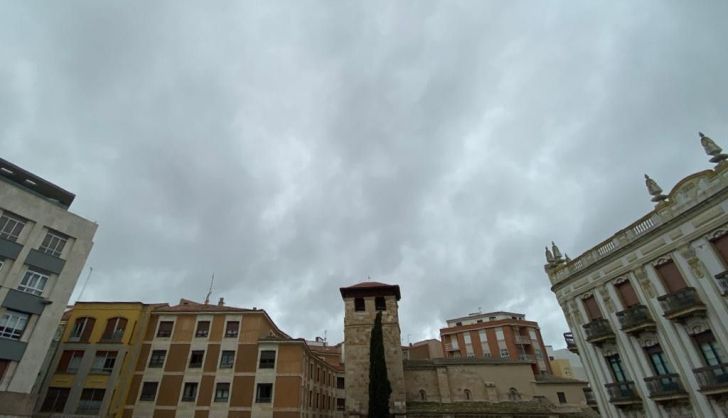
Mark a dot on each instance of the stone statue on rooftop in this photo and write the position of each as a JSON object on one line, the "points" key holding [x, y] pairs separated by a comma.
{"points": [[549, 256], [654, 189], [556, 252], [712, 149]]}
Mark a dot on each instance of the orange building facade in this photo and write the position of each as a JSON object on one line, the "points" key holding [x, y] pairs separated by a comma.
{"points": [[200, 360], [495, 335]]}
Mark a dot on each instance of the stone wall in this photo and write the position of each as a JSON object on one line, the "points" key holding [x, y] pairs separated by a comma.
{"points": [[357, 334]]}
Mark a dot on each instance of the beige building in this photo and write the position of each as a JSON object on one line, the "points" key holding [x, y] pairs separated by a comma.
{"points": [[203, 360], [647, 306], [43, 248]]}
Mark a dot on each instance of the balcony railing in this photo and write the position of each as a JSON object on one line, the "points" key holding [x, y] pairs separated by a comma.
{"points": [[589, 395], [598, 330], [523, 339], [682, 303], [713, 378], [570, 342], [527, 357], [665, 386], [622, 393], [635, 318]]}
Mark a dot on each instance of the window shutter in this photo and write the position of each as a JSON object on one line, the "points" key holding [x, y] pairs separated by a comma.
{"points": [[627, 293], [721, 244], [671, 277], [63, 363], [592, 310], [109, 330], [88, 329]]}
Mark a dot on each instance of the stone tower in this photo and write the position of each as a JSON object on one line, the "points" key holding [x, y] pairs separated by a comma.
{"points": [[362, 302]]}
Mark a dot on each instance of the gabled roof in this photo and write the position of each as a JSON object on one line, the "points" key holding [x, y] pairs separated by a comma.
{"points": [[370, 289]]}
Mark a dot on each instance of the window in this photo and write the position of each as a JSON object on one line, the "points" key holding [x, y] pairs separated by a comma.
{"points": [[165, 329], [222, 392], [615, 366], [268, 360], [499, 334], [423, 395], [149, 391], [458, 324], [196, 358], [203, 328], [70, 360], [156, 360], [468, 345], [82, 329], [591, 307], [454, 342], [562, 397], [721, 244], [11, 226], [709, 348], [484, 343], [33, 282], [114, 330], [359, 305], [90, 402], [55, 400], [627, 294], [658, 361], [340, 383], [231, 329], [532, 334], [504, 353], [671, 277], [53, 243], [380, 304], [104, 362], [189, 393], [467, 395], [264, 393], [340, 404], [12, 324], [227, 358]]}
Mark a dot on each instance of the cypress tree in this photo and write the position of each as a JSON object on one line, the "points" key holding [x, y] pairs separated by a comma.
{"points": [[379, 387]]}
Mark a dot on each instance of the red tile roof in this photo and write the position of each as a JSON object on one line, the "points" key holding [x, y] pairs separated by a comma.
{"points": [[370, 289], [186, 305]]}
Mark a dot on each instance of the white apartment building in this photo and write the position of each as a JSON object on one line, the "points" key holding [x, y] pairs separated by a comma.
{"points": [[647, 307], [43, 248]]}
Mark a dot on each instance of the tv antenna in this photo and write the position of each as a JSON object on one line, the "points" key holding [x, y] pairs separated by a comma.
{"points": [[209, 293]]}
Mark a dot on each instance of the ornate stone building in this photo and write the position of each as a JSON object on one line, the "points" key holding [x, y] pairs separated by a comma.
{"points": [[647, 306]]}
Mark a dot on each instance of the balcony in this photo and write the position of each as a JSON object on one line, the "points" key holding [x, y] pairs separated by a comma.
{"points": [[722, 281], [682, 304], [527, 357], [523, 339], [570, 342], [598, 331], [590, 398], [665, 387], [622, 393], [636, 319], [712, 379]]}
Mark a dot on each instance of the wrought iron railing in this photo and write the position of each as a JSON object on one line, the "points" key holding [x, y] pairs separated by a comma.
{"points": [[589, 395], [622, 392], [712, 377], [570, 341], [664, 385], [598, 328], [681, 300], [634, 316]]}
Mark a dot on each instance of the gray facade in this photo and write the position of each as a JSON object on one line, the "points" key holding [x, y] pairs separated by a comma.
{"points": [[43, 248]]}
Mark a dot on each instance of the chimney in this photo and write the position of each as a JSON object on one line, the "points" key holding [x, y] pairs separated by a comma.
{"points": [[221, 302]]}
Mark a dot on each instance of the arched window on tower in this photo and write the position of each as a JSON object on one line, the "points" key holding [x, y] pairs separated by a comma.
{"points": [[467, 394], [423, 395]]}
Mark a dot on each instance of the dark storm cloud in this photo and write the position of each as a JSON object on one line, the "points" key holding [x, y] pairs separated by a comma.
{"points": [[295, 148]]}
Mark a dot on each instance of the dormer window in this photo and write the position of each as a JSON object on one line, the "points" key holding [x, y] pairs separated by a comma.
{"points": [[380, 304], [359, 305]]}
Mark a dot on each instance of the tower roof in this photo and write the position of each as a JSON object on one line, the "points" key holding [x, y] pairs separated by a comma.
{"points": [[370, 289]]}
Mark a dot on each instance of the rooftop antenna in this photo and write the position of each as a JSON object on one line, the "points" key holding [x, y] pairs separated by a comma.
{"points": [[209, 293], [325, 338], [83, 288]]}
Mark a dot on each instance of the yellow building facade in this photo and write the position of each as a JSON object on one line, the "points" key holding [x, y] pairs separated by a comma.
{"points": [[94, 362]]}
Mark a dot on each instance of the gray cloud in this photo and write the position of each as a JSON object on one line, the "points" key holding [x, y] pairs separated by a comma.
{"points": [[293, 148]]}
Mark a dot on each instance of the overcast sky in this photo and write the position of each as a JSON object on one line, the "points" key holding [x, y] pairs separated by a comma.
{"points": [[296, 147]]}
